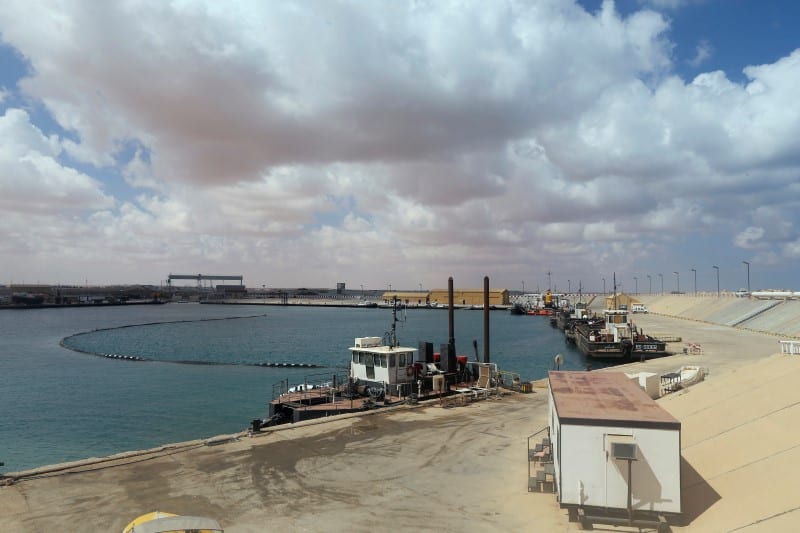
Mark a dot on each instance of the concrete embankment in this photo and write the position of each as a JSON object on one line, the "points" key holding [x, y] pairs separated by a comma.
{"points": [[775, 317]]}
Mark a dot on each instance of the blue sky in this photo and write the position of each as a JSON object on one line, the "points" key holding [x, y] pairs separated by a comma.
{"points": [[307, 144], [737, 32]]}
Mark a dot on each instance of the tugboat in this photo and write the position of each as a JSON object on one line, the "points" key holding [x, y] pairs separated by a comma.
{"points": [[381, 373], [518, 309], [615, 338]]}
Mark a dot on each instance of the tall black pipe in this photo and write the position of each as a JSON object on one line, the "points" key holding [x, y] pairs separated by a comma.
{"points": [[451, 341], [486, 319]]}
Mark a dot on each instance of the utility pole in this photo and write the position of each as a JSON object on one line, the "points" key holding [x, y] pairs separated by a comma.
{"points": [[748, 276]]}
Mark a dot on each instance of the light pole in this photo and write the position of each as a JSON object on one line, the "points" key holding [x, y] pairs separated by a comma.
{"points": [[678, 278], [523, 286], [569, 287], [715, 267], [362, 291], [748, 276], [694, 271], [635, 285], [604, 286], [420, 287], [660, 275], [650, 280]]}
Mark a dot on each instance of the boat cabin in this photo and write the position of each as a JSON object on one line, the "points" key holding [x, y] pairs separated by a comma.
{"points": [[616, 325], [372, 362], [580, 312]]}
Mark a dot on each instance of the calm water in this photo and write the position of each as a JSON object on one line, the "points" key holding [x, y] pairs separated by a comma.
{"points": [[60, 405]]}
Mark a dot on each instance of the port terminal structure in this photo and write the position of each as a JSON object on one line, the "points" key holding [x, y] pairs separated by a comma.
{"points": [[203, 277]]}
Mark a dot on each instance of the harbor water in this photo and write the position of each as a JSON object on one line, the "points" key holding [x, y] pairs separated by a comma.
{"points": [[59, 404]]}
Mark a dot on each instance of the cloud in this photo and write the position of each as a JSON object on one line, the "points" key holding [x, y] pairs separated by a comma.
{"points": [[32, 177], [349, 140], [703, 53], [750, 237]]}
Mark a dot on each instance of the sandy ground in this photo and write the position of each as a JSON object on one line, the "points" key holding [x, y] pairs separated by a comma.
{"points": [[427, 468]]}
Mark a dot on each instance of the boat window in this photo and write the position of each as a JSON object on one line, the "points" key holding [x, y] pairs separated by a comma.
{"points": [[383, 361], [391, 360], [361, 357], [402, 359], [368, 360], [355, 357]]}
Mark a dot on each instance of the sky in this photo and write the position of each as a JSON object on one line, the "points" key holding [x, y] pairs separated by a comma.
{"points": [[547, 143]]}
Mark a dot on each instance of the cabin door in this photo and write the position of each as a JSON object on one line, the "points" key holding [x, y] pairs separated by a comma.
{"points": [[370, 363]]}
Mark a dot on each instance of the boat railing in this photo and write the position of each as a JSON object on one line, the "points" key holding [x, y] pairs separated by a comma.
{"points": [[509, 380], [312, 386]]}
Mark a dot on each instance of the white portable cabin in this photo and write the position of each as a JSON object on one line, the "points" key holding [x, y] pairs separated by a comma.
{"points": [[372, 362], [603, 426]]}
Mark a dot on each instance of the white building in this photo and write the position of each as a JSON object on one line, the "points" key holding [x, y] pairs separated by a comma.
{"points": [[614, 448]]}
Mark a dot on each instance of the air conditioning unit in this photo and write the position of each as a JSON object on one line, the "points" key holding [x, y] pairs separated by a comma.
{"points": [[623, 450]]}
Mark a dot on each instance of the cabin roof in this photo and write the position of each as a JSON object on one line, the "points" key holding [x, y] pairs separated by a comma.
{"points": [[606, 399], [383, 349]]}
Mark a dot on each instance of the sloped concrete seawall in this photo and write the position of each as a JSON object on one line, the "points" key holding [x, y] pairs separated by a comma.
{"points": [[773, 317]]}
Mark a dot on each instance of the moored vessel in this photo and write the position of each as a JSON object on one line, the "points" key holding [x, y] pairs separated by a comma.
{"points": [[614, 337]]}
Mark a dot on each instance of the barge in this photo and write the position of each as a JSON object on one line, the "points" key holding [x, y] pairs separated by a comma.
{"points": [[382, 373], [614, 337]]}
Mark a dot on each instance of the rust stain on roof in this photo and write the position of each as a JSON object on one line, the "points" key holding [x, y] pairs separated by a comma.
{"points": [[605, 398]]}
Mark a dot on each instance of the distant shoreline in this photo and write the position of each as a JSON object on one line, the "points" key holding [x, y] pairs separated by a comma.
{"points": [[78, 305]]}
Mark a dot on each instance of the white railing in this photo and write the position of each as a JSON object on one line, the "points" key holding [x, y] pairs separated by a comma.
{"points": [[790, 347]]}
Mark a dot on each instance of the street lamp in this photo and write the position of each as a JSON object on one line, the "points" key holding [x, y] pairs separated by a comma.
{"points": [[660, 275], [635, 285], [695, 281], [604, 286], [420, 287], [650, 279], [569, 287], [748, 276], [523, 286], [715, 267], [678, 278]]}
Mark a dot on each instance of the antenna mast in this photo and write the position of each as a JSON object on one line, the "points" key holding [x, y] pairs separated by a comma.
{"points": [[393, 338]]}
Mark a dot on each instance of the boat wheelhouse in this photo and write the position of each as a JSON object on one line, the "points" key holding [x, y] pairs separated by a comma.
{"points": [[375, 364]]}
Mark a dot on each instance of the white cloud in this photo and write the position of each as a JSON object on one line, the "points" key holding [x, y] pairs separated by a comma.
{"points": [[32, 179], [750, 237], [359, 139], [702, 53]]}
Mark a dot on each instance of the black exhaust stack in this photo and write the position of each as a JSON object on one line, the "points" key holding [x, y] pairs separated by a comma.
{"points": [[449, 358], [486, 319]]}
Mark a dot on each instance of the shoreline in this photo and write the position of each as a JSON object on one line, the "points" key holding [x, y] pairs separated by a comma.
{"points": [[462, 468]]}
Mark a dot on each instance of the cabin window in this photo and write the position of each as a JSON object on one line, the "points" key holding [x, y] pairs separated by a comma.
{"points": [[355, 357], [391, 360], [402, 359], [361, 358], [383, 361], [368, 359]]}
